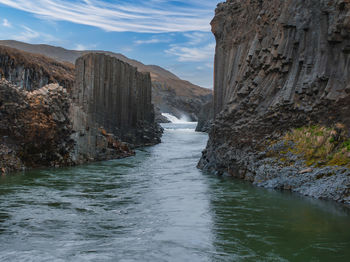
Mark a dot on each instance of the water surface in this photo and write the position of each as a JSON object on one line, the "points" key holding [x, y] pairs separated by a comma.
{"points": [[158, 207]]}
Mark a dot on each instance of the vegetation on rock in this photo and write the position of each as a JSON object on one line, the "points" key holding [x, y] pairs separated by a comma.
{"points": [[318, 145]]}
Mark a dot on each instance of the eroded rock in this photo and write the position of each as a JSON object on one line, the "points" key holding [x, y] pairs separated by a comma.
{"points": [[278, 65], [111, 101]]}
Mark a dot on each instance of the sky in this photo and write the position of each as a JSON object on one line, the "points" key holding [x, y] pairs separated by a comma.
{"points": [[172, 34]]}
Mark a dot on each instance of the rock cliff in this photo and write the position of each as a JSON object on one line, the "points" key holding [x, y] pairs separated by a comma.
{"points": [[279, 65], [170, 94], [104, 115], [111, 101], [205, 118], [35, 127], [30, 71]]}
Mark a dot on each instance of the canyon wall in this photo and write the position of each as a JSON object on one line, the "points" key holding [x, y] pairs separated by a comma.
{"points": [[111, 100], [35, 128], [170, 94], [279, 65], [205, 118], [31, 71], [104, 115]]}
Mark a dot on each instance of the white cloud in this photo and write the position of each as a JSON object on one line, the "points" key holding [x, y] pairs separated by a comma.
{"points": [[192, 54], [6, 23], [80, 47], [196, 38], [152, 41], [29, 35], [200, 47], [126, 49], [153, 16]]}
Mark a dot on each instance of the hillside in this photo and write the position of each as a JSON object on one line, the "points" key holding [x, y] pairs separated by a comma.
{"points": [[170, 93], [31, 71]]}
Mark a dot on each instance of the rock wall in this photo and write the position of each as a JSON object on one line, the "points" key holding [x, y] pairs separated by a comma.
{"points": [[30, 71], [278, 65], [170, 93], [35, 127], [106, 114], [111, 99], [205, 118]]}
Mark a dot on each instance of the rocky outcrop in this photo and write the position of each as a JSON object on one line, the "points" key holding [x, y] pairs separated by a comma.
{"points": [[169, 93], [111, 101], [279, 65], [30, 71], [205, 118], [106, 114], [34, 127]]}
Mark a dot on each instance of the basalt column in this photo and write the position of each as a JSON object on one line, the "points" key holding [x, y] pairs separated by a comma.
{"points": [[112, 97], [281, 66]]}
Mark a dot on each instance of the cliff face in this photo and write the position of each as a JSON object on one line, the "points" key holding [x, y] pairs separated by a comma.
{"points": [[205, 118], [30, 71], [35, 127], [170, 94], [111, 101], [104, 115], [279, 65]]}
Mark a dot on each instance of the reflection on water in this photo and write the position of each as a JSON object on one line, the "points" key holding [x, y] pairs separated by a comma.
{"points": [[158, 207]]}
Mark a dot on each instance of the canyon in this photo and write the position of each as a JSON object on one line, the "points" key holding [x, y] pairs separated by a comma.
{"points": [[103, 113], [281, 69], [104, 178], [170, 94]]}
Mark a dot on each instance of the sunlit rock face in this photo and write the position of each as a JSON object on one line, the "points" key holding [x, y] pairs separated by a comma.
{"points": [[278, 65], [111, 98]]}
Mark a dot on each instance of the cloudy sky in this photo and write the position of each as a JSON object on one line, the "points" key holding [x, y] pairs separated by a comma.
{"points": [[173, 34]]}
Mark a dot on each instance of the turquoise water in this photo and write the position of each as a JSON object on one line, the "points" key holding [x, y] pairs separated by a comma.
{"points": [[158, 207]]}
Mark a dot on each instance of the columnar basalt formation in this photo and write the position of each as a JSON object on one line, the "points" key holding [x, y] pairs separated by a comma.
{"points": [[104, 115], [169, 93], [279, 65], [205, 118], [111, 99], [31, 71]]}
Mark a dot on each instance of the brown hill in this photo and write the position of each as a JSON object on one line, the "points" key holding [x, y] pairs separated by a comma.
{"points": [[170, 93], [32, 71]]}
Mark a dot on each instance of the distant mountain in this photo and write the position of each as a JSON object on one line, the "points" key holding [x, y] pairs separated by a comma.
{"points": [[170, 93], [32, 71]]}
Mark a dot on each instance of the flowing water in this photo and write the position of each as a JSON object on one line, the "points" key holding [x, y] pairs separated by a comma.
{"points": [[158, 207]]}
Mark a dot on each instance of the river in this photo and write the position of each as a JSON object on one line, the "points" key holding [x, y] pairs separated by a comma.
{"points": [[158, 207]]}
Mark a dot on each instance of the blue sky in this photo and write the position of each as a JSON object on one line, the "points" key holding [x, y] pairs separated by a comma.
{"points": [[173, 34]]}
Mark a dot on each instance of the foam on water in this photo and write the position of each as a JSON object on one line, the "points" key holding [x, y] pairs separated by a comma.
{"points": [[173, 119]]}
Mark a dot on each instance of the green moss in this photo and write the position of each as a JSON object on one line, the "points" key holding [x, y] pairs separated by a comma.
{"points": [[318, 145], [346, 145]]}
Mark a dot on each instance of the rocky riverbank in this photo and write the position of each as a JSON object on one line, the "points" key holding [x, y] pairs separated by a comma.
{"points": [[281, 67]]}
